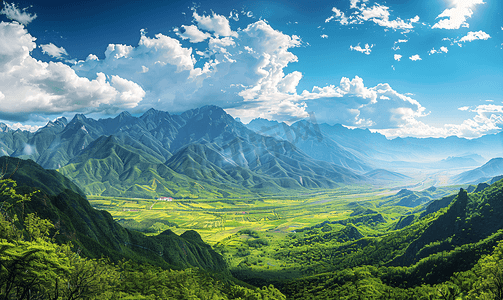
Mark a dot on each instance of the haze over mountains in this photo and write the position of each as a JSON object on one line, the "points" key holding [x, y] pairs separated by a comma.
{"points": [[205, 151], [362, 149]]}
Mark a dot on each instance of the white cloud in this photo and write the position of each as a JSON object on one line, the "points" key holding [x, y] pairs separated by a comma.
{"points": [[379, 14], [365, 50], [338, 16], [472, 36], [441, 50], [487, 120], [27, 127], [396, 47], [415, 57], [397, 57], [242, 70], [32, 86], [352, 104], [192, 33], [353, 3], [324, 36], [217, 24], [455, 17], [11, 11], [234, 14], [53, 50]]}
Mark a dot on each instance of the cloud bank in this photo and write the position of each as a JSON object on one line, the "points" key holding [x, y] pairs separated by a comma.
{"points": [[30, 86], [242, 70], [456, 16]]}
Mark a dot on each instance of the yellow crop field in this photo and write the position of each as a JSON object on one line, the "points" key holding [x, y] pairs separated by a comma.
{"points": [[217, 219]]}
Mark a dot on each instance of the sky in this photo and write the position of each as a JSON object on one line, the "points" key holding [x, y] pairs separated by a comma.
{"points": [[421, 68]]}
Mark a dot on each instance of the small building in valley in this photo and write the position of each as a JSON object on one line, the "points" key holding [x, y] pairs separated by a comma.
{"points": [[165, 199]]}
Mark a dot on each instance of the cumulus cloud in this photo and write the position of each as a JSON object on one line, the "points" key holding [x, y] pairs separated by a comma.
{"points": [[365, 50], [456, 16], [352, 103], [192, 33], [243, 69], [11, 11], [472, 36], [27, 127], [217, 24], [379, 14], [32, 86], [415, 57], [441, 50], [397, 57], [338, 16], [488, 119], [354, 3], [324, 36], [53, 50]]}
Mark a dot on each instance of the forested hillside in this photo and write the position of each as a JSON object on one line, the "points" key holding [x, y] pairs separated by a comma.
{"points": [[54, 244], [93, 232], [34, 266]]}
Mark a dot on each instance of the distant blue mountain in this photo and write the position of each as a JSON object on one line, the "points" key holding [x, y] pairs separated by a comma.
{"points": [[491, 169], [361, 149]]}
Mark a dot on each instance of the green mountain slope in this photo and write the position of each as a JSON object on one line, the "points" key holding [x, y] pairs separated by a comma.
{"points": [[94, 232], [424, 248], [204, 144], [110, 168]]}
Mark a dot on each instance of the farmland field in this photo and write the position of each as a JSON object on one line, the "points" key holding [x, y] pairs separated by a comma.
{"points": [[216, 219]]}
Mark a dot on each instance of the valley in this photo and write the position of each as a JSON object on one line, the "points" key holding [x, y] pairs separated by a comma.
{"points": [[304, 211], [217, 219], [249, 231], [254, 150]]}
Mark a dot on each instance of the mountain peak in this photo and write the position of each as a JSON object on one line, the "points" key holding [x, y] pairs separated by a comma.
{"points": [[61, 121], [124, 114], [494, 160], [4, 128], [78, 118], [152, 113]]}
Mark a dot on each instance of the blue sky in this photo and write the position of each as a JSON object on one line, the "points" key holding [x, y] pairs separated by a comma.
{"points": [[403, 68]]}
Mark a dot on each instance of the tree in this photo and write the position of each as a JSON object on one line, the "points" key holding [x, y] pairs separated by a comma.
{"points": [[489, 271]]}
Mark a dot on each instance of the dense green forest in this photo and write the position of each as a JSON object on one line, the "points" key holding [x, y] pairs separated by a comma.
{"points": [[54, 245], [34, 266]]}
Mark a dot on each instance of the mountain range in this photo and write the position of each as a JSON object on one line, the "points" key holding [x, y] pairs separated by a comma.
{"points": [[199, 152], [362, 150], [486, 172], [206, 152]]}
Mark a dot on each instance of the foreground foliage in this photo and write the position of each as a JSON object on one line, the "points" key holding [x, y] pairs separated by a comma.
{"points": [[33, 266]]}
